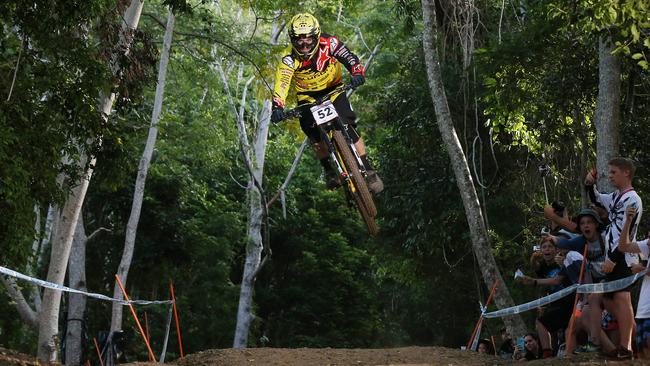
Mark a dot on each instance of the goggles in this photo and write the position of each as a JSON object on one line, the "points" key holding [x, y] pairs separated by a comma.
{"points": [[304, 41]]}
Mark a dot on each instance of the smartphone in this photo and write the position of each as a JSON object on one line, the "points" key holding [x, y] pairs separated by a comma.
{"points": [[520, 343]]}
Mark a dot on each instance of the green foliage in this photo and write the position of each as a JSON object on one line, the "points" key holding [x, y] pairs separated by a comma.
{"points": [[527, 99], [51, 102], [627, 22]]}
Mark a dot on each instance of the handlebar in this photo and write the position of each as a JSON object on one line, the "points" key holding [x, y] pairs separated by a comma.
{"points": [[297, 112]]}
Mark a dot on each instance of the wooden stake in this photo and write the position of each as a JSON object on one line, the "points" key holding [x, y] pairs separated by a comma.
{"points": [[99, 354], [489, 300], [494, 345], [178, 328], [146, 326], [569, 339], [146, 341]]}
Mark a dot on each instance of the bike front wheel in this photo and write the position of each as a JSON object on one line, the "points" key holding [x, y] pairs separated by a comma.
{"points": [[362, 197]]}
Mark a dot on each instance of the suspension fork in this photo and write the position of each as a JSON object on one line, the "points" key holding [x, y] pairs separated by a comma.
{"points": [[333, 157]]}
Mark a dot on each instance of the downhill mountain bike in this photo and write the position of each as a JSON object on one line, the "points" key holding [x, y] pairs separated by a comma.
{"points": [[352, 172]]}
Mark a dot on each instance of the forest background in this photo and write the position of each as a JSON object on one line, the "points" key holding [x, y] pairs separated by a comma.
{"points": [[522, 82]]}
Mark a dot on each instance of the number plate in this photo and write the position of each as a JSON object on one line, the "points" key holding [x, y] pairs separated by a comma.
{"points": [[323, 113]]}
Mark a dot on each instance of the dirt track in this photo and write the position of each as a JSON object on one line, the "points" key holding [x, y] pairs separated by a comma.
{"points": [[407, 356]]}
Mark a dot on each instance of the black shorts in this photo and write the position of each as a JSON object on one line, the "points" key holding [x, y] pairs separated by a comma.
{"points": [[345, 112], [557, 314], [621, 270]]}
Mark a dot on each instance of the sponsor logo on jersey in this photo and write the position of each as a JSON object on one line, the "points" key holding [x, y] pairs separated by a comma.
{"points": [[333, 44], [323, 56], [288, 60]]}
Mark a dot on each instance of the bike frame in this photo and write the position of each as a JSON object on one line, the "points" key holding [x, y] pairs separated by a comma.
{"points": [[325, 131], [335, 135]]}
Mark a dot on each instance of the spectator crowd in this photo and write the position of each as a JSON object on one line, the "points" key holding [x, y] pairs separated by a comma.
{"points": [[598, 245]]}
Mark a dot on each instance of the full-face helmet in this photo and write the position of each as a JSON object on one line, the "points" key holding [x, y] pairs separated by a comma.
{"points": [[304, 32]]}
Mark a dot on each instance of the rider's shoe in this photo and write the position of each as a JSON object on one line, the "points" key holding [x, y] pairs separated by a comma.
{"points": [[375, 185], [332, 180]]}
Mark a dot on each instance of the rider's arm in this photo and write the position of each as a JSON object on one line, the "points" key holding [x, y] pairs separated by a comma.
{"points": [[345, 56], [283, 76]]}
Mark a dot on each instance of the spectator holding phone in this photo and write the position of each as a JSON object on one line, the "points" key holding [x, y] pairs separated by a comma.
{"points": [[530, 350], [555, 316]]}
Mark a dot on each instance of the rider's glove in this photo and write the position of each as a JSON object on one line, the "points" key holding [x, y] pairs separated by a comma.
{"points": [[357, 80], [278, 115]]}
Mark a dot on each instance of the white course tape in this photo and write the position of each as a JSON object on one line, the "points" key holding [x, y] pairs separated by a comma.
{"points": [[583, 289], [55, 286], [591, 288], [531, 305]]}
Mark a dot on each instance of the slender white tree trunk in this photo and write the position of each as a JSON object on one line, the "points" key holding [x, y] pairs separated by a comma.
{"points": [[48, 342], [76, 302], [254, 160], [69, 214], [145, 162], [255, 244], [478, 231], [608, 115]]}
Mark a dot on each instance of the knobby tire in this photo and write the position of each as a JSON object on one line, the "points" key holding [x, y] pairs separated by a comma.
{"points": [[373, 229], [362, 197]]}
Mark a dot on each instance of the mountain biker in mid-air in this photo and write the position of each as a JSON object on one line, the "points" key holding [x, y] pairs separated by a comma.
{"points": [[313, 62]]}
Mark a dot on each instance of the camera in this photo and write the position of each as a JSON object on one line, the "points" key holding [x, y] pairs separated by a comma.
{"points": [[544, 170], [545, 231]]}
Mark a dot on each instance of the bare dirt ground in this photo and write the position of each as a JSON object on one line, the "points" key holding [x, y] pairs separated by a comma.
{"points": [[407, 356]]}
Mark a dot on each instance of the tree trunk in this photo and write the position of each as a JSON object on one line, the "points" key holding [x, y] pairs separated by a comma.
{"points": [[61, 245], [27, 314], [478, 231], [145, 162], [62, 241], [255, 244], [608, 114], [76, 302]]}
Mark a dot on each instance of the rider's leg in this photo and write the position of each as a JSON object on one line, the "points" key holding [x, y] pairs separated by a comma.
{"points": [[331, 177], [349, 118], [374, 182], [320, 149]]}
